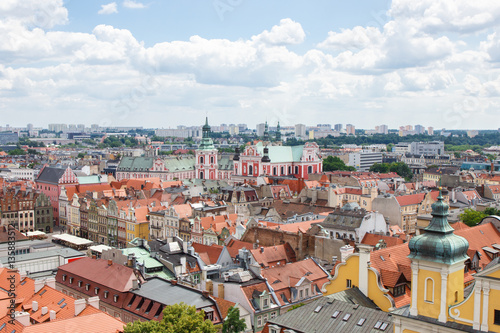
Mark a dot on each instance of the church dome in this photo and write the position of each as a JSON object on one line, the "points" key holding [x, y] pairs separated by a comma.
{"points": [[439, 243]]}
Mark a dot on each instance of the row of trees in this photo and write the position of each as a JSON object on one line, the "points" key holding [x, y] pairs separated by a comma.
{"points": [[333, 163], [182, 318], [398, 167]]}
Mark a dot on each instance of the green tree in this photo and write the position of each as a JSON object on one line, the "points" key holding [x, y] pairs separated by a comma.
{"points": [[81, 155], [177, 318], [17, 151], [233, 323], [401, 169], [333, 163], [472, 217], [380, 167], [492, 211]]}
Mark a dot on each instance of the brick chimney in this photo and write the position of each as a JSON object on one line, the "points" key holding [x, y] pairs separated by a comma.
{"points": [[38, 285], [110, 262]]}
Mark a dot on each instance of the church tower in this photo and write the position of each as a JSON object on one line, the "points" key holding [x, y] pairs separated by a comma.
{"points": [[206, 156], [266, 132], [438, 258], [278, 134]]}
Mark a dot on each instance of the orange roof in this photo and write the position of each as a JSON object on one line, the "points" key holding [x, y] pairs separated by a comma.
{"points": [[209, 252], [373, 239], [224, 306], [270, 256], [234, 245], [183, 210], [411, 199], [294, 227], [459, 226], [96, 323]]}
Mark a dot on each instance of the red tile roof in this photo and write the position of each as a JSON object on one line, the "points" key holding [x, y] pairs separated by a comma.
{"points": [[114, 276], [271, 256], [211, 253], [373, 239]]}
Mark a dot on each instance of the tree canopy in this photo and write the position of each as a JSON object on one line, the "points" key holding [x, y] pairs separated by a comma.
{"points": [[177, 318], [472, 217], [333, 163], [398, 167], [233, 323]]}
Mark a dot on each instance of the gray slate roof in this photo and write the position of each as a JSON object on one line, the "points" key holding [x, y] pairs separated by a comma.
{"points": [[166, 293], [344, 219], [317, 316], [50, 175]]}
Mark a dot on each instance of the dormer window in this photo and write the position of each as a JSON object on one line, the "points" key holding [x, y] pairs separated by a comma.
{"points": [[64, 277], [96, 290], [106, 293], [70, 280], [79, 283], [87, 286]]}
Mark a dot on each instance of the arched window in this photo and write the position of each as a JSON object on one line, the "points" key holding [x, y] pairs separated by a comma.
{"points": [[275, 170], [250, 170], [211, 160], [201, 160], [296, 170], [309, 169], [282, 171], [429, 290], [201, 175]]}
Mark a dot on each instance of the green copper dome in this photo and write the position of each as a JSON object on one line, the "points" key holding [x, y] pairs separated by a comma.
{"points": [[439, 243], [206, 142]]}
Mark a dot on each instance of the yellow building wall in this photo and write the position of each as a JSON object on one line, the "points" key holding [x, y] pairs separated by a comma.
{"points": [[455, 284], [349, 271], [495, 274], [493, 303], [466, 310], [426, 308], [377, 295]]}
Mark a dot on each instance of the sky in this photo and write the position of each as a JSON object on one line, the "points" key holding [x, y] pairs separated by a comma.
{"points": [[163, 63]]}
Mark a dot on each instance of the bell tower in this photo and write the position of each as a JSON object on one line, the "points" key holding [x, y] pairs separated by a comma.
{"points": [[206, 156], [437, 258]]}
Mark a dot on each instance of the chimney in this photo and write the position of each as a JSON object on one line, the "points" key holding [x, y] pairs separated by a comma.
{"points": [[23, 318], [364, 264], [93, 301], [261, 249], [79, 306], [130, 260], [110, 262], [45, 310], [50, 282], [205, 294], [34, 306], [38, 285], [345, 251], [52, 315], [174, 282], [135, 284], [22, 275], [183, 265], [94, 256]]}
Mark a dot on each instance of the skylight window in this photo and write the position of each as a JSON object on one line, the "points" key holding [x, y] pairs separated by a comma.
{"points": [[318, 308], [378, 324], [336, 314], [59, 303], [361, 322], [346, 317], [384, 326]]}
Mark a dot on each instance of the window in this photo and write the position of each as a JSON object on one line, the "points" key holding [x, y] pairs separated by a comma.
{"points": [[96, 290], [273, 315], [307, 293], [336, 314], [361, 322], [265, 302], [399, 290], [79, 283], [70, 280], [64, 277], [264, 318], [259, 321], [348, 283], [384, 326], [106, 293], [378, 324], [429, 290], [301, 294], [346, 317], [496, 319]]}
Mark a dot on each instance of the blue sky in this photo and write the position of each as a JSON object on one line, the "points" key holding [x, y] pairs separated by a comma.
{"points": [[166, 63]]}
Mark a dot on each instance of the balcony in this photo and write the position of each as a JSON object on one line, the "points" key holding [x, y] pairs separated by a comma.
{"points": [[155, 227]]}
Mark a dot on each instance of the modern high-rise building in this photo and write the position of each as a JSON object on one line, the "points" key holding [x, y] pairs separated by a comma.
{"points": [[300, 130], [260, 129], [350, 129], [430, 130], [383, 129], [419, 129], [338, 127]]}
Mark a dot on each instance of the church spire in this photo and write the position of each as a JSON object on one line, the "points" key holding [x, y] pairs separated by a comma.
{"points": [[278, 132], [266, 132]]}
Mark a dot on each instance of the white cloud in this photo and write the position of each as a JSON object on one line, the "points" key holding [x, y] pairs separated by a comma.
{"points": [[133, 4], [286, 33], [110, 8], [34, 13]]}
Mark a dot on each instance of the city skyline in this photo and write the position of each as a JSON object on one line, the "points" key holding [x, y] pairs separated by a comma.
{"points": [[161, 64]]}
